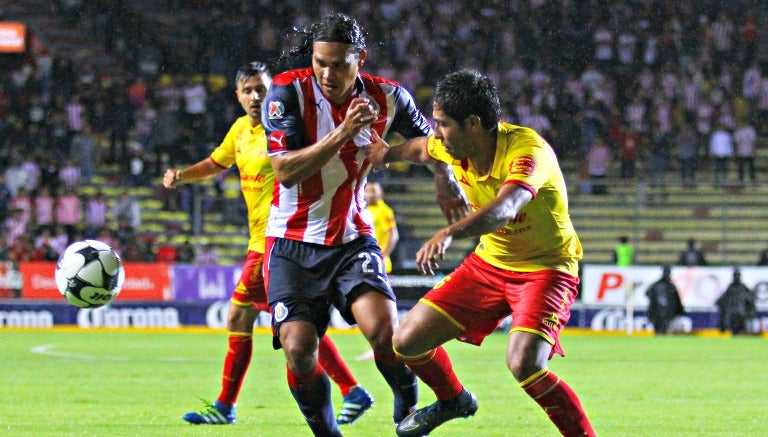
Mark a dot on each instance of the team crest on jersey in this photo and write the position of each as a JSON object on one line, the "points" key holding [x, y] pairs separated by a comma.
{"points": [[276, 110], [523, 165], [280, 312]]}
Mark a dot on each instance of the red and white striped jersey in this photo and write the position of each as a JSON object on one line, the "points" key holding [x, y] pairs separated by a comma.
{"points": [[327, 207]]}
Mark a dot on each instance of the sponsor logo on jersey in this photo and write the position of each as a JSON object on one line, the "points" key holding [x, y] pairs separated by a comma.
{"points": [[277, 142], [523, 165], [276, 110]]}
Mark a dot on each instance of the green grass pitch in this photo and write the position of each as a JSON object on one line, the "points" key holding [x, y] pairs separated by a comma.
{"points": [[73, 382]]}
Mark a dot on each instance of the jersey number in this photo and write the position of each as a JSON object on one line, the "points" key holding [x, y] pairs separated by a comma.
{"points": [[369, 258]]}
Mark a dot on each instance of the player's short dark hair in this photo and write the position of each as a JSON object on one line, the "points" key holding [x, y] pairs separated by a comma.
{"points": [[247, 71], [334, 27], [469, 92]]}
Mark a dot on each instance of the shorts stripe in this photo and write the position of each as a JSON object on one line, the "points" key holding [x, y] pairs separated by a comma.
{"points": [[443, 312]]}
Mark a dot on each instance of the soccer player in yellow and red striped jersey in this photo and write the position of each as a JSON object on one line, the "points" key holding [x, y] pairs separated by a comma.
{"points": [[525, 263], [245, 145]]}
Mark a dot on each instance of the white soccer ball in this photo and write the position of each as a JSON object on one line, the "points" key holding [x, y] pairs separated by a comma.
{"points": [[89, 274]]}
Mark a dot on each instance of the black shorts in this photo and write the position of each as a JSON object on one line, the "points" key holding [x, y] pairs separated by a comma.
{"points": [[305, 279]]}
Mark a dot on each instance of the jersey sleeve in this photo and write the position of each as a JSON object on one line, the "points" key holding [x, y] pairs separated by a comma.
{"points": [[408, 120], [531, 161], [224, 155], [281, 118]]}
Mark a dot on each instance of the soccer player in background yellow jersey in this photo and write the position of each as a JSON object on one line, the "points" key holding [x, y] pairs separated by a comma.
{"points": [[245, 145], [525, 263], [384, 224]]}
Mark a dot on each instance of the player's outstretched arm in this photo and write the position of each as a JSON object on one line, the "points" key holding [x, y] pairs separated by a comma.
{"points": [[200, 171]]}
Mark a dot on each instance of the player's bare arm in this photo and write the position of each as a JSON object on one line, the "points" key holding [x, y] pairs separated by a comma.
{"points": [[294, 166], [503, 209], [199, 171], [449, 194], [379, 152]]}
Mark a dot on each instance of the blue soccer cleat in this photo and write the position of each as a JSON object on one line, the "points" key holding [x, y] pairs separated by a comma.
{"points": [[212, 414], [356, 402]]}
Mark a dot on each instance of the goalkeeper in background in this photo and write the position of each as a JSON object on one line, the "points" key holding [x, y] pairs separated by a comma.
{"points": [[245, 145]]}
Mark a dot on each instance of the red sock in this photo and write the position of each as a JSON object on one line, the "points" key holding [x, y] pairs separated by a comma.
{"points": [[560, 403], [435, 369], [334, 365], [235, 365]]}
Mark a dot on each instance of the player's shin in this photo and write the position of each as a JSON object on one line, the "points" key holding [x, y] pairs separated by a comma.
{"points": [[313, 396], [560, 403], [435, 369], [403, 383], [236, 363]]}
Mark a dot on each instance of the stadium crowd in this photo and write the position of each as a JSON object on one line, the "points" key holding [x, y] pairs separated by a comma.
{"points": [[653, 81]]}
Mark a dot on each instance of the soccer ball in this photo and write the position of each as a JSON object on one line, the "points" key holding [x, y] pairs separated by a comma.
{"points": [[89, 274]]}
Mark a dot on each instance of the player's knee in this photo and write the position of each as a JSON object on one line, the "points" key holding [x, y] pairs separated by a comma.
{"points": [[299, 356], [403, 343], [523, 365]]}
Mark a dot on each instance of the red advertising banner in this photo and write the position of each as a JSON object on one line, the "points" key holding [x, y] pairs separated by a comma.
{"points": [[143, 281], [12, 37]]}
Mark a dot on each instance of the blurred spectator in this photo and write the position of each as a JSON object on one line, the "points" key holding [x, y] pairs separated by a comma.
{"points": [[69, 174], [69, 211], [736, 306], [721, 150], [659, 155], [43, 205], [59, 239], [15, 226], [95, 213], [209, 254], [127, 207], [5, 198], [629, 149], [624, 252], [166, 138], [132, 251], [745, 139], [663, 302], [186, 253], [686, 154], [22, 201], [44, 246], [124, 232], [692, 256], [15, 175], [32, 168], [762, 260], [138, 175], [166, 252], [85, 151], [21, 249], [598, 162]]}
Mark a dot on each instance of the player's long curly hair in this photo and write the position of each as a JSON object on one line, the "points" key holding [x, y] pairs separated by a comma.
{"points": [[334, 27], [469, 92]]}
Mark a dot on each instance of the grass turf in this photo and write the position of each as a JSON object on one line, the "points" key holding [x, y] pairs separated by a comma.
{"points": [[140, 383]]}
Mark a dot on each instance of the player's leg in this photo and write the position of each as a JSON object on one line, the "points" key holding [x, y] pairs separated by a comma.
{"points": [[376, 316], [300, 316], [541, 307], [308, 382], [417, 341], [247, 299], [356, 400]]}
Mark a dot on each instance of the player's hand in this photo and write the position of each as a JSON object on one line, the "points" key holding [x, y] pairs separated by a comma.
{"points": [[359, 114], [433, 251], [171, 178], [451, 198], [377, 151]]}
